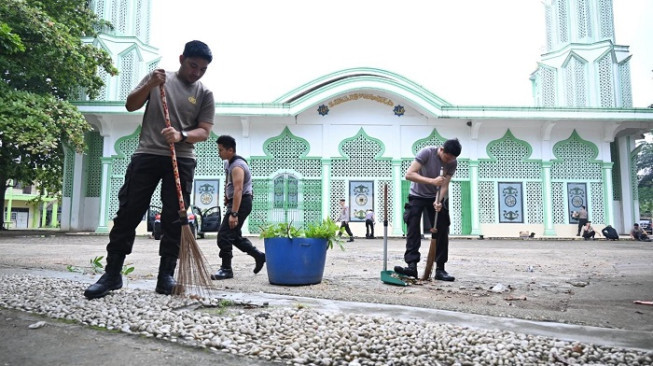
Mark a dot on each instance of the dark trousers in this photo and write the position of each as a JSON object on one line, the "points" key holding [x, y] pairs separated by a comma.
{"points": [[369, 228], [413, 218], [345, 224], [581, 223], [589, 234], [228, 237], [144, 173]]}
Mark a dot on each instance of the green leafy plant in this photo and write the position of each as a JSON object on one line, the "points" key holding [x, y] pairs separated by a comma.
{"points": [[328, 230], [97, 267], [96, 264], [281, 230]]}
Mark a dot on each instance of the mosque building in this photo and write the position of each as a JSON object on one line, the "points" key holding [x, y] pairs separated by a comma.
{"points": [[353, 133]]}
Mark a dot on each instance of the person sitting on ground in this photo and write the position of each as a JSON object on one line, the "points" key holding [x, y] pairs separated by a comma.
{"points": [[588, 231], [637, 233], [610, 233]]}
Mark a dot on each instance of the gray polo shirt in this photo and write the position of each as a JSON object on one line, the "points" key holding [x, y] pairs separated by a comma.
{"points": [[188, 104], [431, 163]]}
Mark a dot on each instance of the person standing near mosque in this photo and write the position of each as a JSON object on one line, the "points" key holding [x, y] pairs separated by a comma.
{"points": [[344, 219], [239, 197], [581, 215], [427, 184], [191, 108]]}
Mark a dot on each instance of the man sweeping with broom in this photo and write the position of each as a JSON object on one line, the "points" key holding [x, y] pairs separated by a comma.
{"points": [[191, 111], [430, 174]]}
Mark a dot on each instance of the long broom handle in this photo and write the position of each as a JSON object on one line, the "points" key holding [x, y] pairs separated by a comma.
{"points": [[437, 198], [173, 153], [385, 228]]}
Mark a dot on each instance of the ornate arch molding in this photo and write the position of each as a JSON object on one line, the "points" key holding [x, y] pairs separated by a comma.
{"points": [[575, 158], [376, 146], [286, 152], [509, 157], [345, 81], [434, 139]]}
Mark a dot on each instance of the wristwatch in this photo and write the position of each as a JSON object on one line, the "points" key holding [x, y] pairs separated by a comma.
{"points": [[184, 136], [234, 213]]}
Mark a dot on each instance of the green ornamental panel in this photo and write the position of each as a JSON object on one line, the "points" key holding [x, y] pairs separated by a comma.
{"points": [[95, 143], [69, 171], [287, 183], [576, 162], [616, 168]]}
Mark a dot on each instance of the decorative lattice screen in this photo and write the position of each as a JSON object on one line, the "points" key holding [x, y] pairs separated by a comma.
{"points": [[125, 147], [127, 66], [616, 167], [209, 163], [509, 160], [605, 17], [362, 158], [286, 153], [596, 203], [455, 208], [584, 21], [337, 192], [563, 26], [94, 168], [434, 139], [626, 89], [606, 88], [534, 203], [548, 78], [69, 172], [559, 205], [575, 160], [487, 204]]}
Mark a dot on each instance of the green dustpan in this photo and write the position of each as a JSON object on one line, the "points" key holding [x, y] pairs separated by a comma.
{"points": [[392, 278], [389, 277]]}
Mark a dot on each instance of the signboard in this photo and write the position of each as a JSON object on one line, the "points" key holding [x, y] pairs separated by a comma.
{"points": [[207, 193], [361, 197], [511, 203]]}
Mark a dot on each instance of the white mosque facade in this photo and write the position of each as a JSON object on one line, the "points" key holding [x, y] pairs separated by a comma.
{"points": [[353, 133]]}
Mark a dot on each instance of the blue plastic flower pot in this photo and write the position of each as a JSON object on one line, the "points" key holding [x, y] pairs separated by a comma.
{"points": [[298, 261]]}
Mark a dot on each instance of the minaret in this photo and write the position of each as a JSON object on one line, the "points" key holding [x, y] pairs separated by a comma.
{"points": [[583, 66], [127, 43]]}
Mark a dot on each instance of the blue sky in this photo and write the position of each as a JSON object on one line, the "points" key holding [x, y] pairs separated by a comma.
{"points": [[468, 52]]}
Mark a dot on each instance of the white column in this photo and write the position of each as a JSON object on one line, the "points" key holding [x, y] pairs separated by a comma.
{"points": [[326, 187], [77, 194], [627, 203], [473, 196], [546, 199], [397, 217], [105, 188]]}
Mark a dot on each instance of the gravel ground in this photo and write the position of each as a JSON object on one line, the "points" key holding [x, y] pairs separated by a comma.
{"points": [[576, 282]]}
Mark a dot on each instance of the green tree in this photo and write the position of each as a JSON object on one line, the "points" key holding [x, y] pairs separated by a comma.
{"points": [[645, 179], [43, 63]]}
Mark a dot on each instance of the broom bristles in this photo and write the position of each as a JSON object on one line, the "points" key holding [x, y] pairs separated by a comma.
{"points": [[193, 272]]}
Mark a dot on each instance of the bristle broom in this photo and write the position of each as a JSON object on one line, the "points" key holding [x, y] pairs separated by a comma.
{"points": [[193, 272]]}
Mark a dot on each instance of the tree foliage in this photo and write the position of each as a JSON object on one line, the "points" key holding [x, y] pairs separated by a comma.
{"points": [[645, 164], [43, 64], [645, 178]]}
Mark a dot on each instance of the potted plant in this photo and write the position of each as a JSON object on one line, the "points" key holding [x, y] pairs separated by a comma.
{"points": [[296, 256]]}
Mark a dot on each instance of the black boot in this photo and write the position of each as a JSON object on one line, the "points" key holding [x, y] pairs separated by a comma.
{"points": [[442, 275], [110, 280], [410, 271], [225, 271], [259, 257], [165, 282]]}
